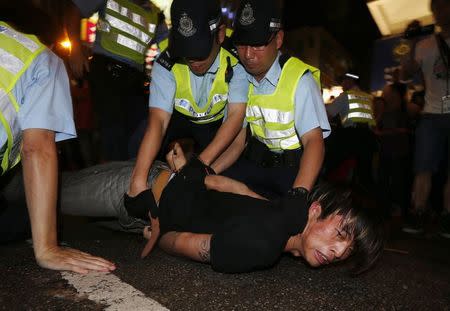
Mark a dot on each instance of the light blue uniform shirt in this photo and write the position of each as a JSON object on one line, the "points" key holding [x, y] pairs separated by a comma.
{"points": [[163, 86], [43, 94], [309, 107]]}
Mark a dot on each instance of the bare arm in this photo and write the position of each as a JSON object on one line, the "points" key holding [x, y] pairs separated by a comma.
{"points": [[225, 184], [227, 158], [191, 245], [158, 120], [311, 160], [39, 160], [226, 133]]}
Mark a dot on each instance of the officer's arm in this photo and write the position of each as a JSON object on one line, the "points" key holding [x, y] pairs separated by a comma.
{"points": [[311, 160], [229, 156], [226, 184], [40, 175], [191, 245], [158, 121], [226, 133]]}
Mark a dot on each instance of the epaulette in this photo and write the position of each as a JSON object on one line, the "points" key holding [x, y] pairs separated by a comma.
{"points": [[227, 44], [165, 60], [283, 59]]}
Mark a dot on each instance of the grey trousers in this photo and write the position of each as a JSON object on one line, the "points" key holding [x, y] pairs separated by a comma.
{"points": [[96, 191]]}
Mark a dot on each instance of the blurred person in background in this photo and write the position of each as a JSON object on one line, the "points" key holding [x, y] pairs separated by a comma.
{"points": [[431, 58], [125, 30], [355, 139]]}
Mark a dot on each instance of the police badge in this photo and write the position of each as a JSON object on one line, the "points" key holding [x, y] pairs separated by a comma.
{"points": [[186, 27], [247, 15]]}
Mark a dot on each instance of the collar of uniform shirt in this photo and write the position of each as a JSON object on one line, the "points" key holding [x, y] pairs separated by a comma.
{"points": [[215, 65], [272, 76]]}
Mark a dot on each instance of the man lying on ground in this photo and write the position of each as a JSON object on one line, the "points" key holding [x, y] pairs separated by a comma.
{"points": [[235, 231]]}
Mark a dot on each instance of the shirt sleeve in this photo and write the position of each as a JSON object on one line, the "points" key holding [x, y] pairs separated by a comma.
{"points": [[309, 107], [238, 88], [243, 246], [88, 7], [338, 106], [43, 93], [162, 88], [421, 48]]}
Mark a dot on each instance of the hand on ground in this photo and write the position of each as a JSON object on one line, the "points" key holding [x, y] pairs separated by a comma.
{"points": [[62, 258]]}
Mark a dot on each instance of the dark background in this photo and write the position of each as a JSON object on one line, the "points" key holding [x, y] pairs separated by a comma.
{"points": [[348, 21]]}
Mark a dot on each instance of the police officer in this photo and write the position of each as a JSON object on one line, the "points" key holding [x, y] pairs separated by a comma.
{"points": [[198, 89], [35, 111], [285, 111], [124, 31], [355, 138]]}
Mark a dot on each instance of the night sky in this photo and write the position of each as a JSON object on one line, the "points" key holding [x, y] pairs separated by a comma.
{"points": [[348, 21]]}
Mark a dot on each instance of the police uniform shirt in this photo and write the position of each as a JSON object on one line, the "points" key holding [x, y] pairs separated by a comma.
{"points": [[309, 107], [163, 86], [43, 94], [339, 106]]}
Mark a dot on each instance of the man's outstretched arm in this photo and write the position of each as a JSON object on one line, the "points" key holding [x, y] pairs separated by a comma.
{"points": [[40, 174], [195, 246]]}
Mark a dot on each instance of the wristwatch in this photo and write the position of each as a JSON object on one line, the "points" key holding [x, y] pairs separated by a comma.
{"points": [[298, 192]]}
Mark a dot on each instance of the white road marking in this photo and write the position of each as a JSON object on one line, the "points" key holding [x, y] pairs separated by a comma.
{"points": [[108, 289]]}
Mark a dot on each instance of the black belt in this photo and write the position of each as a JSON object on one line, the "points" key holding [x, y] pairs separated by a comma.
{"points": [[258, 152], [115, 67], [359, 125]]}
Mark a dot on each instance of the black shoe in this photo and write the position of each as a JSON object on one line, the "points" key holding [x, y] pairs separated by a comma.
{"points": [[413, 224], [445, 225]]}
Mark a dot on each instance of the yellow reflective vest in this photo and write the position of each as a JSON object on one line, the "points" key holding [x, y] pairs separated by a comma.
{"points": [[126, 29], [217, 98], [359, 108], [271, 117], [17, 52]]}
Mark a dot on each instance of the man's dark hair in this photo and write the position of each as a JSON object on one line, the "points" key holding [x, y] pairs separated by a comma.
{"points": [[362, 222], [29, 19]]}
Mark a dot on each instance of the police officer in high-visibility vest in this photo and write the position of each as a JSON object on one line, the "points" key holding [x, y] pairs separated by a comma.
{"points": [[35, 112], [198, 89], [285, 111], [355, 137], [125, 30]]}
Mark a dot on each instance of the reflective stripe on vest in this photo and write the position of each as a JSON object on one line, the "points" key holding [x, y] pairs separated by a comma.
{"points": [[217, 98], [271, 117], [126, 29], [360, 108], [16, 54]]}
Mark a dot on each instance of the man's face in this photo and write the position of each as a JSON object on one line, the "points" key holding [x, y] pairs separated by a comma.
{"points": [[324, 241], [441, 12], [258, 60], [201, 66]]}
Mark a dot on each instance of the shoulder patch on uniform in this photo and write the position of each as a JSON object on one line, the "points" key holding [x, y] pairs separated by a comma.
{"points": [[227, 44], [283, 59], [165, 60]]}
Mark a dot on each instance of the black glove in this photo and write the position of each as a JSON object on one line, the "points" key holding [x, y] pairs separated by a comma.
{"points": [[140, 205]]}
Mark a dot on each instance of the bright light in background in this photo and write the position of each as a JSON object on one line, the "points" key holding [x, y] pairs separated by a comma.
{"points": [[392, 16], [66, 44], [329, 94]]}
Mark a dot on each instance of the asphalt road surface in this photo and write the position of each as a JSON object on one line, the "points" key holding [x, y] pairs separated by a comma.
{"points": [[413, 274]]}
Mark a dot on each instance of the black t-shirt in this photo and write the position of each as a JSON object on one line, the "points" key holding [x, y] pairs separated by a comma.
{"points": [[247, 233]]}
